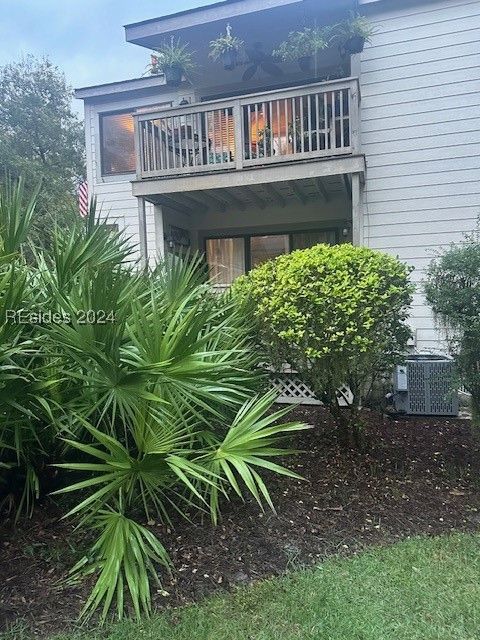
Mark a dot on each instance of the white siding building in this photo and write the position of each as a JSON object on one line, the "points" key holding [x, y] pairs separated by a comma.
{"points": [[420, 115], [386, 155]]}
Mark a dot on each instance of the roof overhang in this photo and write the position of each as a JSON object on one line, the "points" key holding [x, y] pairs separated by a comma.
{"points": [[148, 32], [138, 85]]}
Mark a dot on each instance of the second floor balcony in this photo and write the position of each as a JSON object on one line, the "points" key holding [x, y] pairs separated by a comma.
{"points": [[313, 122]]}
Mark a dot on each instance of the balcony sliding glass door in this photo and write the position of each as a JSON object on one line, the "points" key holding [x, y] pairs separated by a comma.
{"points": [[226, 259], [229, 258]]}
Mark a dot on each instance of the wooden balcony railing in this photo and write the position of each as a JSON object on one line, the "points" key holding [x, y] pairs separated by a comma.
{"points": [[302, 123]]}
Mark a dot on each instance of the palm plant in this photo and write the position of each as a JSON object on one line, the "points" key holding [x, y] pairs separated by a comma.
{"points": [[166, 418], [155, 409], [151, 398], [26, 427]]}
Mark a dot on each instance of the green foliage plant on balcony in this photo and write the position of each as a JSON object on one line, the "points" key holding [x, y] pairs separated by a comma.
{"points": [[337, 315], [226, 48], [351, 34], [301, 46], [175, 60]]}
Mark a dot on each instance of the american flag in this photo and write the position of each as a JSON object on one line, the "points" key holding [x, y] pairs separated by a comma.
{"points": [[82, 194]]}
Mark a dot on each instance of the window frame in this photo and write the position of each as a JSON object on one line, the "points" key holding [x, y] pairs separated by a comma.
{"points": [[101, 116], [246, 240]]}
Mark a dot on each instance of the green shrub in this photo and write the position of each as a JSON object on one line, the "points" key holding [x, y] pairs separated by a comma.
{"points": [[150, 398], [336, 314], [453, 290]]}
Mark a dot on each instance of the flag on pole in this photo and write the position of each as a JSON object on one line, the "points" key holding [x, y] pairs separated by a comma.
{"points": [[82, 194]]}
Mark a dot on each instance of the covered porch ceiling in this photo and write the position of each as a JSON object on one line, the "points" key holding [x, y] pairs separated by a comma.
{"points": [[261, 24], [299, 192], [259, 15]]}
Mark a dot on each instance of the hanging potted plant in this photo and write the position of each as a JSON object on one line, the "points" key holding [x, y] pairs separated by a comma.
{"points": [[352, 34], [302, 46], [174, 60], [226, 48]]}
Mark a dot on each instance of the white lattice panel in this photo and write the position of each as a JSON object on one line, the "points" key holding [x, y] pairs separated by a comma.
{"points": [[292, 389]]}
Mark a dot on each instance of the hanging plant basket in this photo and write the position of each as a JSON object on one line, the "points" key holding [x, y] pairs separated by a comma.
{"points": [[173, 75], [229, 59], [226, 49], [355, 44], [305, 63]]}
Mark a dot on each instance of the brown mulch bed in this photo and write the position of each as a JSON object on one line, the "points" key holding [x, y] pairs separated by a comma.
{"points": [[421, 476]]}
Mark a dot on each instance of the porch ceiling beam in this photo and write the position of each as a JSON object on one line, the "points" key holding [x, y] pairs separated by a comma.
{"points": [[219, 199], [206, 200], [171, 203], [348, 186], [298, 192], [233, 200], [275, 195], [260, 202], [238, 179], [195, 205], [321, 189]]}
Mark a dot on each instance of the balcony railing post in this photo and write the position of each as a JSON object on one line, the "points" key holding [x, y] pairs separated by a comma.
{"points": [[238, 131], [354, 110], [138, 146], [297, 123]]}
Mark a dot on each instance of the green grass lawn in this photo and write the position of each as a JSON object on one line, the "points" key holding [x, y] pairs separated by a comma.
{"points": [[425, 589]]}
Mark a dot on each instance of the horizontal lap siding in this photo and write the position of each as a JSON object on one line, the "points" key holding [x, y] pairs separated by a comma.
{"points": [[116, 204], [421, 134]]}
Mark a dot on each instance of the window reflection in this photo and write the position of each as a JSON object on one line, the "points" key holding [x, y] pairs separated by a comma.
{"points": [[226, 259], [263, 248], [117, 143]]}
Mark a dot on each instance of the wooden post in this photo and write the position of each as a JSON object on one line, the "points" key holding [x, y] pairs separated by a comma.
{"points": [[159, 231], [142, 230], [238, 129], [354, 97], [357, 211], [138, 146]]}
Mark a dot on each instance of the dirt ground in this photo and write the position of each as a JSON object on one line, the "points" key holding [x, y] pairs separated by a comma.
{"points": [[421, 476]]}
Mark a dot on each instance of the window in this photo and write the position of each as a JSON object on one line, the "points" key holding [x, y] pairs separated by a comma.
{"points": [[263, 248], [229, 258], [117, 143], [226, 259], [311, 238]]}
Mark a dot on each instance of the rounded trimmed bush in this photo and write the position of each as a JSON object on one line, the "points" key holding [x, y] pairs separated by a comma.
{"points": [[337, 314]]}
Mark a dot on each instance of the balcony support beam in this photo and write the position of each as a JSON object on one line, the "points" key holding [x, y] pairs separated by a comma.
{"points": [[249, 177], [142, 227], [295, 187], [233, 200], [275, 195], [220, 202], [171, 203], [260, 202], [357, 211], [205, 200], [321, 189], [194, 205]]}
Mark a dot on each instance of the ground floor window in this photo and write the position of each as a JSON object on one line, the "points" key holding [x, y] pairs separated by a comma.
{"points": [[226, 259], [231, 257]]}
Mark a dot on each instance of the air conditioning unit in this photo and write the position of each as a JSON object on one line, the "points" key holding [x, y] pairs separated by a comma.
{"points": [[425, 385]]}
